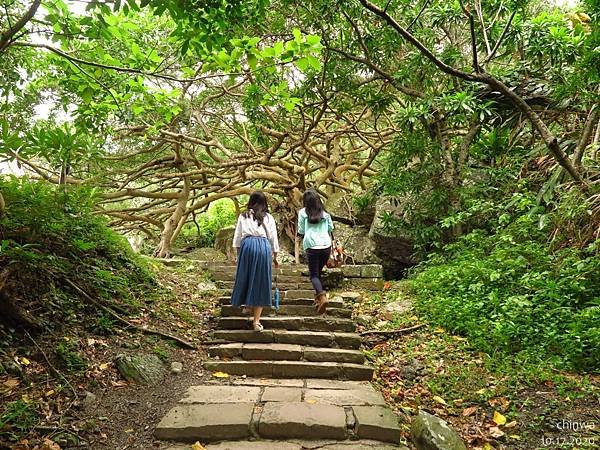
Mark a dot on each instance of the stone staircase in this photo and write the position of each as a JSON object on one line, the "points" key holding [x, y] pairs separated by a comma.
{"points": [[300, 383]]}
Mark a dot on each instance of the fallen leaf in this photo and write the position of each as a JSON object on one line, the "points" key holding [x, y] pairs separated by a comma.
{"points": [[130, 430], [312, 401], [498, 418], [49, 445], [511, 424], [25, 361], [50, 392], [469, 411], [198, 446], [104, 366], [220, 375], [488, 446], [439, 400], [118, 383], [439, 330], [496, 432], [516, 437]]}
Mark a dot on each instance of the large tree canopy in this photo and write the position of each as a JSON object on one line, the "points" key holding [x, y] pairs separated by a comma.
{"points": [[165, 107]]}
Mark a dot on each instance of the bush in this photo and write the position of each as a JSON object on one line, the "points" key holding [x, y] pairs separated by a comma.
{"points": [[50, 240], [513, 290], [220, 214]]}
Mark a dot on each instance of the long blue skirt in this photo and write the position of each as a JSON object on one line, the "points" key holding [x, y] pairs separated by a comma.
{"points": [[253, 276]]}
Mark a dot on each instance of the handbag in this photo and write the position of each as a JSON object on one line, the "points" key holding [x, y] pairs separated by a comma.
{"points": [[337, 256]]}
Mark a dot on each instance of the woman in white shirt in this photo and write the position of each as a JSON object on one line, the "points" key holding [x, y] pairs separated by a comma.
{"points": [[257, 245]]}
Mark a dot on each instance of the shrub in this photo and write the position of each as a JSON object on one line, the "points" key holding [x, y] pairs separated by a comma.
{"points": [[513, 290]]}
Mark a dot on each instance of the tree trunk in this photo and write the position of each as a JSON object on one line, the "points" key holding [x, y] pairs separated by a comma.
{"points": [[163, 249]]}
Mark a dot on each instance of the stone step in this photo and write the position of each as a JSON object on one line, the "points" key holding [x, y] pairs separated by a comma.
{"points": [[226, 300], [303, 285], [317, 323], [289, 352], [230, 276], [351, 412], [270, 444], [313, 338], [292, 369], [289, 310]]}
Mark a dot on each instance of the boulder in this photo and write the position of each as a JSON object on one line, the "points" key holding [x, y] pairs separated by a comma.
{"points": [[143, 369], [224, 241], [429, 432], [395, 251], [357, 243]]}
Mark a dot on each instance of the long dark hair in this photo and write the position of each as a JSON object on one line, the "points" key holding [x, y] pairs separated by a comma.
{"points": [[257, 206], [314, 206]]}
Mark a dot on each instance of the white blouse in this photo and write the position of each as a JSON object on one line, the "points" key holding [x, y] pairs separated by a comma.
{"points": [[247, 226]]}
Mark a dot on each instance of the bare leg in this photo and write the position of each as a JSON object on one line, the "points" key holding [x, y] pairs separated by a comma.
{"points": [[257, 310]]}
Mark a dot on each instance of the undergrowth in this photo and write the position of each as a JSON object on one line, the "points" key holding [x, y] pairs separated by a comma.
{"points": [[60, 259], [520, 286]]}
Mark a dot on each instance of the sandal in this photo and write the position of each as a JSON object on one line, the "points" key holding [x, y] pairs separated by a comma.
{"points": [[258, 326]]}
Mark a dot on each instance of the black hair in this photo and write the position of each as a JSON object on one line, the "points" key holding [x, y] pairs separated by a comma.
{"points": [[257, 206], [314, 206]]}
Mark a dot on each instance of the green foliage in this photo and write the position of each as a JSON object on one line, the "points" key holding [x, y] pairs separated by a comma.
{"points": [[202, 233], [511, 290], [70, 357], [51, 236], [18, 418]]}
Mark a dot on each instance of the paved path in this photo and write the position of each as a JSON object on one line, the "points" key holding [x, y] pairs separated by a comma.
{"points": [[300, 384]]}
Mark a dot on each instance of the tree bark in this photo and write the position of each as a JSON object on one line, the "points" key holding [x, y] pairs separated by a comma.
{"points": [[164, 246], [6, 38]]}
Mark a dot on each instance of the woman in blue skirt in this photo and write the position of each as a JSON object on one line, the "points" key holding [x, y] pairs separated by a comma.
{"points": [[257, 246]]}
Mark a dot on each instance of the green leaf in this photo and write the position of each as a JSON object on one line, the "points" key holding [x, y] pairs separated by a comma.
{"points": [[87, 95]]}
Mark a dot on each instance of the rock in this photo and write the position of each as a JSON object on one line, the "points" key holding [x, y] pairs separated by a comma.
{"points": [[395, 251], [432, 433], [398, 307], [413, 369], [363, 319], [206, 286], [357, 243], [143, 369], [13, 368], [224, 241], [88, 400], [332, 278], [176, 367]]}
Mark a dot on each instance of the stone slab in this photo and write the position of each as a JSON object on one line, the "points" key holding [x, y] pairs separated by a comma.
{"points": [[314, 338], [221, 394], [376, 422], [356, 372], [336, 384], [294, 323], [272, 351], [225, 350], [249, 368], [244, 335], [300, 293], [333, 354], [255, 445], [304, 369], [281, 382], [351, 271], [206, 422], [347, 340], [348, 397], [282, 394], [288, 420]]}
